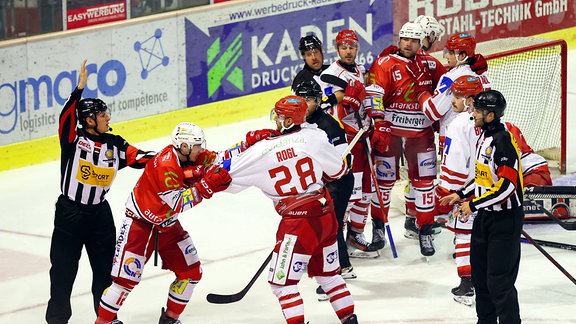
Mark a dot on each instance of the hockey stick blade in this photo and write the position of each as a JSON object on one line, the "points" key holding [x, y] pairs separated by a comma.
{"points": [[557, 245], [568, 225], [228, 299]]}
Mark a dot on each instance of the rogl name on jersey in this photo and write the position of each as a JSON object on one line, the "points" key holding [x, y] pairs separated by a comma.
{"points": [[285, 154]]}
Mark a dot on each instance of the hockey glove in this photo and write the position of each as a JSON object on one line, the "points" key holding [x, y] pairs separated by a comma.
{"points": [[215, 180], [354, 95], [421, 76], [388, 50], [381, 136], [479, 64], [256, 136], [193, 174]]}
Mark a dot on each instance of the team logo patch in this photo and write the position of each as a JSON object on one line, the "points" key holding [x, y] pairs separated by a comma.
{"points": [[132, 267]]}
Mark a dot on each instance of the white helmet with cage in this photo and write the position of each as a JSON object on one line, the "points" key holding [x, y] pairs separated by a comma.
{"points": [[188, 133], [431, 27], [412, 30]]}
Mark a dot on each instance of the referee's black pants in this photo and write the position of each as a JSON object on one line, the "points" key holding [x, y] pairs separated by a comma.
{"points": [[340, 190], [495, 259], [75, 226]]}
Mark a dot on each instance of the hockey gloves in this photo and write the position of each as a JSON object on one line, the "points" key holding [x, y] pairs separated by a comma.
{"points": [[381, 136], [256, 136], [215, 180], [389, 50], [354, 95], [193, 174], [421, 76], [479, 64]]}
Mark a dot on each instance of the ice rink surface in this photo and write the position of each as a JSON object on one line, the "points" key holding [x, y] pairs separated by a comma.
{"points": [[234, 234]]}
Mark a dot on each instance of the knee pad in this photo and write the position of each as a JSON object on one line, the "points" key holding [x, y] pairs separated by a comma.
{"points": [[194, 274]]}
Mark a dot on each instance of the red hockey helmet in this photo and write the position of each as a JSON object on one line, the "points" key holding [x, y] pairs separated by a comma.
{"points": [[347, 36], [461, 43], [467, 86], [292, 107]]}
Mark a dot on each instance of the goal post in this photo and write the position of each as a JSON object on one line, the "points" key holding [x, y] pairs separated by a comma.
{"points": [[531, 73]]}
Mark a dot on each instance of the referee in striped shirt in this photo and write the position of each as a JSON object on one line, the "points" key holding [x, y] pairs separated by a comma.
{"points": [[498, 195], [90, 159]]}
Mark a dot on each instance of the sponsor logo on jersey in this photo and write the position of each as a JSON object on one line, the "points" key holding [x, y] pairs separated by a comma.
{"points": [[85, 146], [92, 175], [109, 156], [133, 268], [331, 257]]}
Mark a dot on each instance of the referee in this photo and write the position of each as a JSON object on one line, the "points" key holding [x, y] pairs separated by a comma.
{"points": [[90, 159], [498, 191]]}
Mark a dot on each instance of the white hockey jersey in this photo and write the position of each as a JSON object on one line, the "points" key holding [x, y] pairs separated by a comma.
{"points": [[439, 106], [336, 71], [287, 165]]}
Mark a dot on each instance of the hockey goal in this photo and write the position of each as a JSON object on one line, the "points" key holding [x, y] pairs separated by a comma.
{"points": [[531, 73]]}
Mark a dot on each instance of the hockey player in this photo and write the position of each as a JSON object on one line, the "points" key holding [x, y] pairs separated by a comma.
{"points": [[345, 80], [412, 132], [498, 190], [90, 159], [173, 182], [289, 170]]}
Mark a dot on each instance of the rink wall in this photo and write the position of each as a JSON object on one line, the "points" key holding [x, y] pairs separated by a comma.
{"points": [[211, 66]]}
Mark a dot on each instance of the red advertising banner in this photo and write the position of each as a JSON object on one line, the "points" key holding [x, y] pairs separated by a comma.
{"points": [[96, 14], [491, 19]]}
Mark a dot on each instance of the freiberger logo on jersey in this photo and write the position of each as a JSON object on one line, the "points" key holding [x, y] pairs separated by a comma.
{"points": [[92, 175]]}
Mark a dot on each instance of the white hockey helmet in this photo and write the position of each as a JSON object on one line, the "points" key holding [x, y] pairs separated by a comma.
{"points": [[431, 26], [188, 133], [412, 30]]}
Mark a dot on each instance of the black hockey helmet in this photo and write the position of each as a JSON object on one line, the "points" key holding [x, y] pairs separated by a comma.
{"points": [[491, 100], [309, 42], [89, 107], [308, 89]]}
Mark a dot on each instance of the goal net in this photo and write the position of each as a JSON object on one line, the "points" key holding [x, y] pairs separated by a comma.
{"points": [[531, 73]]}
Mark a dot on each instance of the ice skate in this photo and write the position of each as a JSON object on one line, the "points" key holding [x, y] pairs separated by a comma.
{"points": [[358, 246], [411, 228], [352, 319], [378, 236], [116, 321], [464, 293], [348, 273], [164, 319], [426, 241], [321, 294]]}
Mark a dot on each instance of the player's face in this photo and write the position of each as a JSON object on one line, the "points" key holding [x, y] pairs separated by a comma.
{"points": [[314, 59], [409, 47], [196, 150], [450, 58], [103, 122], [347, 53], [458, 103]]}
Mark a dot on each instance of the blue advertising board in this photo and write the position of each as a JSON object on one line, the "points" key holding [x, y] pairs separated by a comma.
{"points": [[253, 48]]}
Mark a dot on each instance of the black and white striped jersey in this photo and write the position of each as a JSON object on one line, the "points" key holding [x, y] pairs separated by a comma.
{"points": [[89, 163], [498, 183]]}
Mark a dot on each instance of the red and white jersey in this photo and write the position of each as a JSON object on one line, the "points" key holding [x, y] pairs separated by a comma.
{"points": [[459, 152], [371, 107], [336, 77], [160, 194], [439, 105], [530, 161], [288, 165], [400, 100]]}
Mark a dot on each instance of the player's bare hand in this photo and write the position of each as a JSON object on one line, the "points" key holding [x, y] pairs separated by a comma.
{"points": [[451, 199], [83, 76], [464, 211]]}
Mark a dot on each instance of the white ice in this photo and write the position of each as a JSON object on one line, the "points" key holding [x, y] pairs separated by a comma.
{"points": [[234, 234]]}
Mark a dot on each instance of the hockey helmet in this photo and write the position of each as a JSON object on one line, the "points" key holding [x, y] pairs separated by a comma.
{"points": [[188, 133], [461, 43], [294, 107], [89, 107], [308, 89], [412, 30], [491, 100], [309, 42], [467, 86], [431, 26], [347, 36]]}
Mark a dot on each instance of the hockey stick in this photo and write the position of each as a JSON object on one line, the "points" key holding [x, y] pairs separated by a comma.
{"points": [[227, 299], [368, 151], [557, 245], [548, 256], [552, 192], [567, 225], [155, 247]]}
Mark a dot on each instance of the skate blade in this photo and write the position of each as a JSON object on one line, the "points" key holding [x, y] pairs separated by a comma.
{"points": [[363, 254], [410, 235], [464, 300], [323, 297]]}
